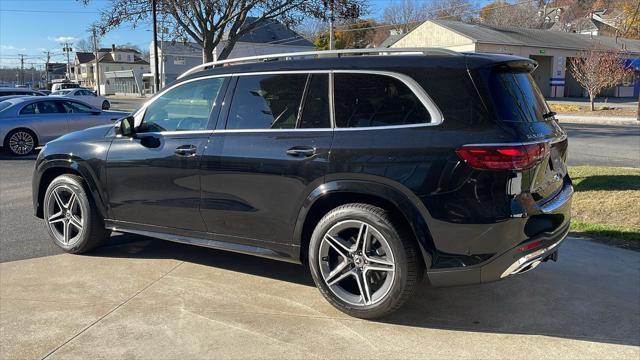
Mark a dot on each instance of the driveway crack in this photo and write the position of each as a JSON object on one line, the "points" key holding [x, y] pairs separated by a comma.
{"points": [[112, 310]]}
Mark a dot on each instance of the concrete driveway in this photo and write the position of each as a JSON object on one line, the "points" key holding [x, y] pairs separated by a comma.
{"points": [[153, 299]]}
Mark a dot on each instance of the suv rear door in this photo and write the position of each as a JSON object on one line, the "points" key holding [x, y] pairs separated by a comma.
{"points": [[270, 148]]}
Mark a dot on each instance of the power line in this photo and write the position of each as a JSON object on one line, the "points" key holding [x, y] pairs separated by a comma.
{"points": [[50, 11]]}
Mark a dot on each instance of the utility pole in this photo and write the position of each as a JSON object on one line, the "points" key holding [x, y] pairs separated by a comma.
{"points": [[95, 55], [46, 69], [21, 69], [67, 48], [156, 77], [331, 19]]}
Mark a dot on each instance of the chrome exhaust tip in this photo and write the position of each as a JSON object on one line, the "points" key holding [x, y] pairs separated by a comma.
{"points": [[530, 261]]}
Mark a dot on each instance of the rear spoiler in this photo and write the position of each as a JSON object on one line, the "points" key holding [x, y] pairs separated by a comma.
{"points": [[524, 65]]}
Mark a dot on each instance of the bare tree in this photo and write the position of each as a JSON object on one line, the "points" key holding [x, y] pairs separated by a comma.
{"points": [[404, 15], [504, 13], [222, 22], [83, 45], [460, 10], [597, 70]]}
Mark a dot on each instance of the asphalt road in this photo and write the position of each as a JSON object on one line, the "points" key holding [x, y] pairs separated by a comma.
{"points": [[603, 145], [23, 236]]}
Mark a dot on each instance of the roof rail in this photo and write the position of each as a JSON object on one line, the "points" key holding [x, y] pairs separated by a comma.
{"points": [[320, 54]]}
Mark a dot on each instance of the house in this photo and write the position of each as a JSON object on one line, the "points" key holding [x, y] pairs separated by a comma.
{"points": [[551, 49], [270, 37], [127, 61]]}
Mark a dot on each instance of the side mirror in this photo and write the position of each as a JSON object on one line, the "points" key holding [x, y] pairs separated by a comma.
{"points": [[126, 126]]}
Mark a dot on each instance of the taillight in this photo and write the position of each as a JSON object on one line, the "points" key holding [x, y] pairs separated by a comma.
{"points": [[503, 157]]}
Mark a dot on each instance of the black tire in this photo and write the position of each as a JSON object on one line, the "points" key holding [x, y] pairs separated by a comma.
{"points": [[20, 142], [105, 105], [93, 232], [407, 269]]}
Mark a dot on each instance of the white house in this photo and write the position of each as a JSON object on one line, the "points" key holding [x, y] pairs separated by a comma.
{"points": [[270, 37], [110, 60]]}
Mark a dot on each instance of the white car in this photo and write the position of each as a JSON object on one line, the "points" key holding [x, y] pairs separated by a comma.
{"points": [[86, 96]]}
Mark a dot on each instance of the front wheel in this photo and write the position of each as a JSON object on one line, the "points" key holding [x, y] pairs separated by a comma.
{"points": [[72, 222], [105, 105], [363, 263]]}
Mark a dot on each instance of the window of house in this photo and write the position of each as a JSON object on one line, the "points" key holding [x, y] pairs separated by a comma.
{"points": [[366, 100], [179, 60], [275, 101], [185, 107]]}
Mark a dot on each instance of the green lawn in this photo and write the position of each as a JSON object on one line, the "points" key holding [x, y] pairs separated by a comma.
{"points": [[606, 203]]}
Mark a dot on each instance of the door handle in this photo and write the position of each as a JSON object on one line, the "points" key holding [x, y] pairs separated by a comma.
{"points": [[301, 151], [186, 150]]}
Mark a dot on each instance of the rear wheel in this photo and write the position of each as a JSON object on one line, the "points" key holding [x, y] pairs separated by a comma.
{"points": [[20, 142], [105, 105], [363, 263], [72, 221]]}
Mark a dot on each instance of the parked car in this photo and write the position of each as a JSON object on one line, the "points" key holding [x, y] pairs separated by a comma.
{"points": [[371, 169], [20, 92], [29, 122], [64, 85], [46, 92], [85, 95]]}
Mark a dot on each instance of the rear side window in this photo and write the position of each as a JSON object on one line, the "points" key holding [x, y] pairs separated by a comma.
{"points": [[366, 100], [76, 108], [516, 97], [266, 101]]}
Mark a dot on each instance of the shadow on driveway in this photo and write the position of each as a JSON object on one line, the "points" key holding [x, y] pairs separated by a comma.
{"points": [[592, 293]]}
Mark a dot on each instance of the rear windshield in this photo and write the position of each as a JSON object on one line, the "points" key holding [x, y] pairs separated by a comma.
{"points": [[4, 105], [516, 97]]}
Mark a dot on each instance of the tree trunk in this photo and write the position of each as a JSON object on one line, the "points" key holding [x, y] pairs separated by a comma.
{"points": [[207, 48], [224, 54], [592, 99]]}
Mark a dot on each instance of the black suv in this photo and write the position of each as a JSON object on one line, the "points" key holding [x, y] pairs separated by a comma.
{"points": [[373, 169]]}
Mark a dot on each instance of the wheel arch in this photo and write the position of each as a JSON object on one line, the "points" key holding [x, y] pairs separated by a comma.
{"points": [[47, 171], [331, 195]]}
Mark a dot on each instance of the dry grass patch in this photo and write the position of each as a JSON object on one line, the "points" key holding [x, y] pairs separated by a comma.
{"points": [[609, 110], [606, 201]]}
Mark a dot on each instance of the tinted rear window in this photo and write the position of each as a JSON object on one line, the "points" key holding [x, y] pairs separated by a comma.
{"points": [[4, 105], [516, 97]]}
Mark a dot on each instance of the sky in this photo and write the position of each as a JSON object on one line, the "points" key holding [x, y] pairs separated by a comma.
{"points": [[33, 27]]}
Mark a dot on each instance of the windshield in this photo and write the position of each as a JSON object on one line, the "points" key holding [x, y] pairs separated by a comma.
{"points": [[61, 92], [4, 104], [516, 97]]}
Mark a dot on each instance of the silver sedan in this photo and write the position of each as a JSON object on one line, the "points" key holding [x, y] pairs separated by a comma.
{"points": [[29, 122]]}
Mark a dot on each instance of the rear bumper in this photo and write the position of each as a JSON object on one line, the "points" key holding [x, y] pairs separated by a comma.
{"points": [[521, 258]]}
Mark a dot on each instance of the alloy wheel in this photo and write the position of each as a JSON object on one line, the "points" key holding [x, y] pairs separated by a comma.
{"points": [[65, 215], [356, 263], [21, 142]]}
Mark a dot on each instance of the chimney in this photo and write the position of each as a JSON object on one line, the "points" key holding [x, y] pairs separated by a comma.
{"points": [[113, 47]]}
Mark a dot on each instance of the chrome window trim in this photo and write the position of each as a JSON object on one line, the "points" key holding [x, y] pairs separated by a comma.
{"points": [[434, 112]]}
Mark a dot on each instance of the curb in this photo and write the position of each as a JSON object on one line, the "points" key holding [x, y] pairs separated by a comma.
{"points": [[609, 120]]}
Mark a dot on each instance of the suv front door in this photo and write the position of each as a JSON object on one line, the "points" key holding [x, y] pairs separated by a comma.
{"points": [[153, 178], [268, 155]]}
